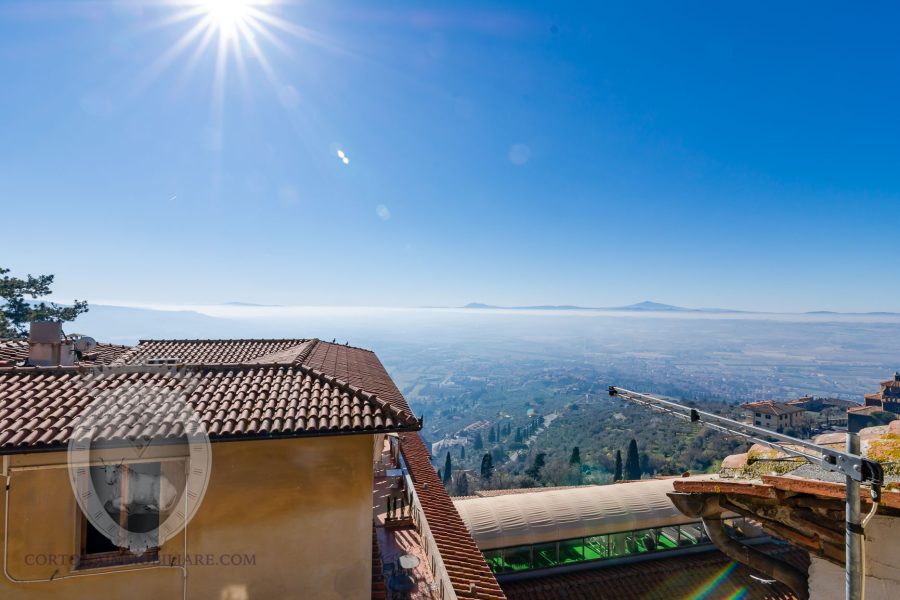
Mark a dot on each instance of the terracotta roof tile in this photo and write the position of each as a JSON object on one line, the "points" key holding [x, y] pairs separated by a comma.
{"points": [[358, 367], [217, 351], [17, 351], [462, 558], [40, 406], [770, 407], [710, 575]]}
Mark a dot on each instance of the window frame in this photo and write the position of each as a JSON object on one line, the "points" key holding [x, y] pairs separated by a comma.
{"points": [[115, 558]]}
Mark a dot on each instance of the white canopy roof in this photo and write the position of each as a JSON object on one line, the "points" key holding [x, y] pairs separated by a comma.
{"points": [[543, 516]]}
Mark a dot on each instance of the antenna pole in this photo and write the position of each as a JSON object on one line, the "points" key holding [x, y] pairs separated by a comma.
{"points": [[855, 468], [854, 533]]}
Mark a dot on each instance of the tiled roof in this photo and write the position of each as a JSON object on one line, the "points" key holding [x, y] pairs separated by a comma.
{"points": [[770, 407], [865, 410], [709, 575], [218, 351], [464, 562], [17, 351], [357, 366], [38, 406]]}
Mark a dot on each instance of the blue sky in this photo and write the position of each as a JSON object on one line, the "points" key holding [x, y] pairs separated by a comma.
{"points": [[695, 153]]}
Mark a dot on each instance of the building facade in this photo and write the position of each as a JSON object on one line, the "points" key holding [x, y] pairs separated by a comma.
{"points": [[293, 427]]}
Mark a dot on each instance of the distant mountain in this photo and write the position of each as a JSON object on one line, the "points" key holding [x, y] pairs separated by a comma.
{"points": [[645, 306], [877, 313], [540, 307], [248, 304], [127, 325], [654, 306]]}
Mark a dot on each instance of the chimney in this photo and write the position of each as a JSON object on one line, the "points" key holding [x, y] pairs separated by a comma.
{"points": [[46, 346]]}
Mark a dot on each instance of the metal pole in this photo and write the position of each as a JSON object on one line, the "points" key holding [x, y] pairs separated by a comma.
{"points": [[854, 538]]}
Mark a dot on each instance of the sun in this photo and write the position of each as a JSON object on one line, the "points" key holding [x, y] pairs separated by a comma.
{"points": [[228, 15]]}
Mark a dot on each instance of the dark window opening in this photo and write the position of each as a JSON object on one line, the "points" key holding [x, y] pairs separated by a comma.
{"points": [[129, 494]]}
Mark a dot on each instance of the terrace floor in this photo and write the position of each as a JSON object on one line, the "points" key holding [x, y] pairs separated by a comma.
{"points": [[397, 536]]}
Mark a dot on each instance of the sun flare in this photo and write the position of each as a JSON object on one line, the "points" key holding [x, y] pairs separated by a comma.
{"points": [[228, 15]]}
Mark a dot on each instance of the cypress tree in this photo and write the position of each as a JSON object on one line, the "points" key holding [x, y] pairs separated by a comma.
{"points": [[479, 443], [535, 470], [575, 459], [617, 476], [462, 452], [632, 461], [487, 467], [448, 469], [462, 485], [492, 436]]}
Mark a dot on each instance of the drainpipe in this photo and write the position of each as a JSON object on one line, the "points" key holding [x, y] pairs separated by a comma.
{"points": [[709, 511]]}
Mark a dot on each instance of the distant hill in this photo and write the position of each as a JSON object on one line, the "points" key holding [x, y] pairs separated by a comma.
{"points": [[541, 307], [127, 325], [247, 304], [645, 306], [654, 306], [878, 313]]}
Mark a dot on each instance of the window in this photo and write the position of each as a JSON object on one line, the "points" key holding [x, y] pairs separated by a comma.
{"points": [[518, 558], [545, 555], [595, 547], [571, 551], [494, 559], [130, 496], [600, 547]]}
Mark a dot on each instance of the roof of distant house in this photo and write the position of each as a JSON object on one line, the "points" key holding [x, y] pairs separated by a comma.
{"points": [[240, 389], [865, 410], [770, 407], [16, 351]]}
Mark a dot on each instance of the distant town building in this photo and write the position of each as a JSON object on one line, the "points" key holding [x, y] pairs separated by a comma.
{"points": [[446, 444], [775, 416], [879, 407], [814, 404], [888, 397]]}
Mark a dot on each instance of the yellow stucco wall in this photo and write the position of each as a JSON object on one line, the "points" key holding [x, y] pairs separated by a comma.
{"points": [[296, 515]]}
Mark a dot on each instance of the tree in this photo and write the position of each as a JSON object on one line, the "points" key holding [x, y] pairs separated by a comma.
{"points": [[16, 312], [462, 452], [478, 444], [617, 476], [518, 438], [492, 436], [632, 461], [461, 487], [487, 467], [575, 459], [448, 469], [535, 470]]}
